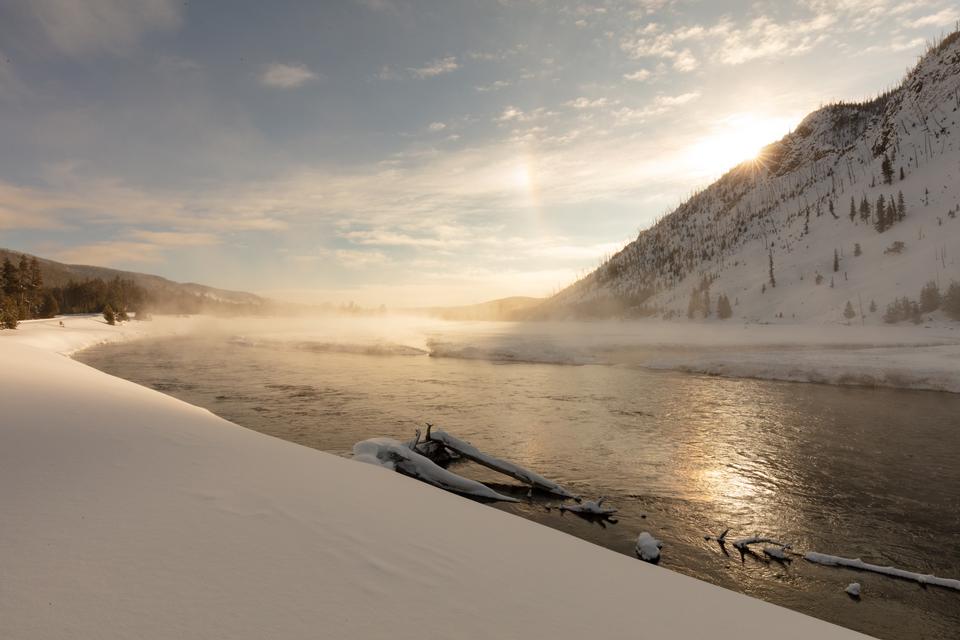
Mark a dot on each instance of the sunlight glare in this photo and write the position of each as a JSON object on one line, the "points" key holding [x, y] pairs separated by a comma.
{"points": [[736, 139]]}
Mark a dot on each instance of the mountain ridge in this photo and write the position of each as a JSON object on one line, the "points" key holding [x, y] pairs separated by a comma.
{"points": [[775, 209]]}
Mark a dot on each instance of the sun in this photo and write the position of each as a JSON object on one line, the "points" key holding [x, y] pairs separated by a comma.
{"points": [[736, 139]]}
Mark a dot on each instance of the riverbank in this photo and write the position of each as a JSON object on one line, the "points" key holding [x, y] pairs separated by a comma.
{"points": [[129, 513]]}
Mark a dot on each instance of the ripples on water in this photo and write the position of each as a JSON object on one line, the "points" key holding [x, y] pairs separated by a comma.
{"points": [[847, 471]]}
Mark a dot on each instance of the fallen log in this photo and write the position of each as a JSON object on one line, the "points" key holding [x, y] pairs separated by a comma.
{"points": [[397, 456], [470, 452]]}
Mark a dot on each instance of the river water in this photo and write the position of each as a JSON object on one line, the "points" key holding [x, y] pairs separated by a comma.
{"points": [[856, 472]]}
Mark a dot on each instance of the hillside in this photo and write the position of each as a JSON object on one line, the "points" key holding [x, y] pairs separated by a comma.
{"points": [[165, 295], [789, 211]]}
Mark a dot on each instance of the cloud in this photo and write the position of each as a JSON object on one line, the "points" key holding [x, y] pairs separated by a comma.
{"points": [[436, 126], [176, 238], [496, 85], [286, 76], [436, 67], [587, 103], [943, 18], [86, 26], [111, 253], [637, 76]]}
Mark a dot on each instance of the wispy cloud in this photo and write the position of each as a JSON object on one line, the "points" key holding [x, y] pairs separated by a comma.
{"points": [[436, 67], [286, 76]]}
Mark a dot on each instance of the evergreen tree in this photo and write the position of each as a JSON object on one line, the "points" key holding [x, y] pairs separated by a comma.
{"points": [[836, 261], [853, 210], [887, 168], [901, 206], [873, 306], [773, 281], [9, 312], [706, 303], [109, 315], [951, 301], [857, 251], [901, 173], [848, 311], [881, 222], [723, 307], [832, 212], [865, 210], [48, 305], [11, 278], [929, 297]]}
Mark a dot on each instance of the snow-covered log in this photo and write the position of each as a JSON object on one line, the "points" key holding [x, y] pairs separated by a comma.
{"points": [[857, 563], [648, 547], [389, 453], [467, 450]]}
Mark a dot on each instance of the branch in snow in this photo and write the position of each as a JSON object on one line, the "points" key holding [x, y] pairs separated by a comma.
{"points": [[857, 563], [743, 544], [590, 508], [397, 456], [515, 471]]}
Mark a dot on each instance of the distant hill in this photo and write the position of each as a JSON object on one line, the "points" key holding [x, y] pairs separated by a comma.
{"points": [[777, 236], [500, 309], [165, 295]]}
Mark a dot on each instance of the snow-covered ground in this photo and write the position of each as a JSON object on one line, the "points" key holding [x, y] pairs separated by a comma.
{"points": [[129, 514]]}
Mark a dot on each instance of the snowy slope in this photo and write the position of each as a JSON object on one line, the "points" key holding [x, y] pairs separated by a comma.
{"points": [[779, 206], [129, 514]]}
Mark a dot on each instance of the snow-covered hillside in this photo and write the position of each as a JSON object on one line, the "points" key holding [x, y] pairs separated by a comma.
{"points": [[792, 209], [130, 514]]}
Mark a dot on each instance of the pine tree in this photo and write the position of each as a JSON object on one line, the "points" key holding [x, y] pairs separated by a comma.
{"points": [[773, 281], [706, 303], [857, 251], [848, 311], [901, 173], [881, 222], [836, 261], [873, 306], [723, 307], [853, 210], [9, 312], [887, 168], [929, 297], [832, 212], [109, 315], [865, 210], [11, 278], [951, 301], [901, 206]]}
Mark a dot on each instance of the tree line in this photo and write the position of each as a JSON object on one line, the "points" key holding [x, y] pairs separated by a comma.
{"points": [[23, 295]]}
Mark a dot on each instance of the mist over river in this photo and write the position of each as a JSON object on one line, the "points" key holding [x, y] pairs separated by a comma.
{"points": [[851, 471]]}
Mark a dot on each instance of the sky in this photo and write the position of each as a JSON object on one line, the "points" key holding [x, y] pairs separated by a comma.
{"points": [[404, 152]]}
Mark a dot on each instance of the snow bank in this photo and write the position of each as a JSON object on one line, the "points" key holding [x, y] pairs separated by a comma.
{"points": [[129, 514]]}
